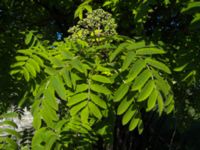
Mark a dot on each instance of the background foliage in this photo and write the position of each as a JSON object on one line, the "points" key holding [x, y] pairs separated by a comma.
{"points": [[105, 74]]}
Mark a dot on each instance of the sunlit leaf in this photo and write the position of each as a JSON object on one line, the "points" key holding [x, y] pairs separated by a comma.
{"points": [[136, 68], [140, 126], [37, 121], [26, 74], [118, 50], [128, 115], [101, 78], [9, 123], [50, 142], [100, 89], [121, 91], [146, 91], [85, 115], [58, 86], [169, 100], [98, 101], [124, 105], [130, 56], [190, 6], [28, 38], [141, 80], [66, 77], [74, 110], [34, 64], [81, 87], [152, 100], [77, 98], [181, 68], [31, 69], [157, 64], [169, 108], [149, 51], [133, 124], [95, 110]]}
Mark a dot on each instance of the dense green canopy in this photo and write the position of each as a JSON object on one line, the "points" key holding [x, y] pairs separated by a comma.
{"points": [[101, 74]]}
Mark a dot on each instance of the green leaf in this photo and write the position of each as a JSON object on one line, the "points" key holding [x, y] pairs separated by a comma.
{"points": [[140, 126], [12, 145], [100, 89], [196, 19], [78, 65], [136, 68], [161, 83], [160, 104], [118, 50], [59, 126], [101, 79], [181, 68], [189, 75], [50, 142], [103, 69], [12, 132], [130, 56], [136, 45], [38, 138], [13, 72], [81, 88], [34, 64], [152, 100], [31, 69], [128, 115], [121, 91], [8, 122], [88, 8], [26, 74], [85, 115], [28, 38], [74, 110], [133, 124], [38, 60], [58, 86], [21, 58], [77, 98], [74, 78], [163, 86], [149, 51], [169, 100], [83, 6], [169, 108], [18, 64], [9, 115], [37, 121], [101, 103], [50, 71], [79, 13], [67, 54], [66, 77], [158, 65], [49, 94], [57, 62], [190, 6], [146, 91], [48, 114], [44, 55], [107, 3], [95, 110], [124, 105], [167, 2], [141, 80]]}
